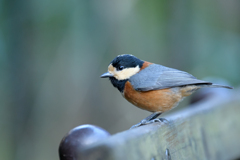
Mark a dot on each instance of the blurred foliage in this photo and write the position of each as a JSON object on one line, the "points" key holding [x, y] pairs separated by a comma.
{"points": [[53, 52]]}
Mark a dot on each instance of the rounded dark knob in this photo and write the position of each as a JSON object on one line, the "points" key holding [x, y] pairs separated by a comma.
{"points": [[78, 138]]}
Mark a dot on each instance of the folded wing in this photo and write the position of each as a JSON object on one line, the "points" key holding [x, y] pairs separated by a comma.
{"points": [[159, 77]]}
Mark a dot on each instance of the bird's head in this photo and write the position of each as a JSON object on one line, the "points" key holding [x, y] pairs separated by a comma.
{"points": [[123, 67]]}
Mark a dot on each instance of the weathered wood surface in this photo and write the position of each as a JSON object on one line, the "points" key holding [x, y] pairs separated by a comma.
{"points": [[210, 131]]}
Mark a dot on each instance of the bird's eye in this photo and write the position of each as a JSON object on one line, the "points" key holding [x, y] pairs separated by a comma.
{"points": [[120, 68]]}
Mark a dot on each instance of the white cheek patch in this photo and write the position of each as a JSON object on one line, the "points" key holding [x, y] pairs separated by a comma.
{"points": [[123, 74], [111, 69], [126, 73]]}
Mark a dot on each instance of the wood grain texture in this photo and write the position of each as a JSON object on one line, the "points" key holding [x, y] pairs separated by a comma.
{"points": [[208, 131]]}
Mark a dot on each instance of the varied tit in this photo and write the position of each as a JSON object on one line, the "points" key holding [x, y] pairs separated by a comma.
{"points": [[150, 86]]}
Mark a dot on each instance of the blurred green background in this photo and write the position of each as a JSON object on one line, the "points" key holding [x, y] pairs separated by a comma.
{"points": [[53, 52]]}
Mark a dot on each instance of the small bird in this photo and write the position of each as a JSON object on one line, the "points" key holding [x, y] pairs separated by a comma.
{"points": [[150, 86]]}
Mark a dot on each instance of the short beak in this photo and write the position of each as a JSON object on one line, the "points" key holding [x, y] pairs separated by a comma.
{"points": [[106, 75]]}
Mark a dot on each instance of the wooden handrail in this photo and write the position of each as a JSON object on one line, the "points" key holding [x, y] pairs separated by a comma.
{"points": [[210, 130]]}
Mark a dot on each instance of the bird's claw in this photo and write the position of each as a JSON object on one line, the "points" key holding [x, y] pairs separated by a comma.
{"points": [[154, 120], [145, 122], [136, 125], [163, 120]]}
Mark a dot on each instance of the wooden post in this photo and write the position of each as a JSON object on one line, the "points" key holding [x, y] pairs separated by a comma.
{"points": [[209, 131]]}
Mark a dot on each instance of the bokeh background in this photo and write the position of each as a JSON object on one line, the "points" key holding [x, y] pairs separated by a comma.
{"points": [[53, 52]]}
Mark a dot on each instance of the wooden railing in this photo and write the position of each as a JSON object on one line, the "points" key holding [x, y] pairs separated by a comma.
{"points": [[206, 131]]}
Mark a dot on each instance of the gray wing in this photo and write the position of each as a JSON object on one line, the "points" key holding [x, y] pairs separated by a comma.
{"points": [[159, 77]]}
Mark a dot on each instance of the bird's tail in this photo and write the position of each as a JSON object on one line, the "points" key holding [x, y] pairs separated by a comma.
{"points": [[215, 86]]}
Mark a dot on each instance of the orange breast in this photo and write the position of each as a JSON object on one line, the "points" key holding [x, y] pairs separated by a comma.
{"points": [[157, 100]]}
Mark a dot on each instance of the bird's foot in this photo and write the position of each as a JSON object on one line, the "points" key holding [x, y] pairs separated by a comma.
{"points": [[137, 125], [160, 120], [145, 122], [164, 120]]}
